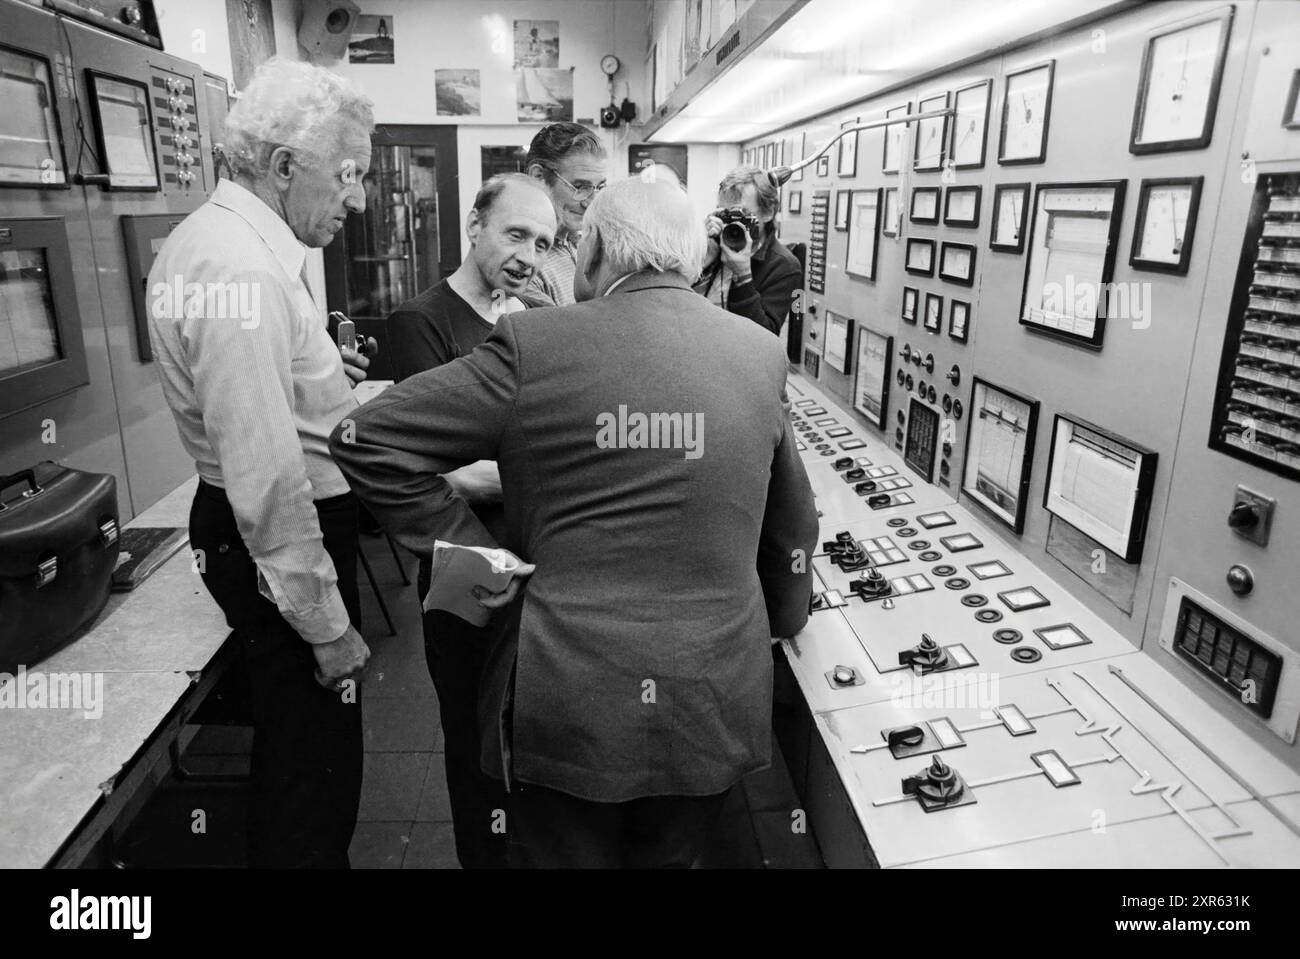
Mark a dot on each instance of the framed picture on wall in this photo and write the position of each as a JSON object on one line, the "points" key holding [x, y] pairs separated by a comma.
{"points": [[871, 379], [920, 257], [890, 223], [895, 136], [970, 125], [958, 319], [931, 135], [1026, 110], [848, 150], [961, 206], [842, 198], [909, 304], [1166, 224], [933, 313], [925, 204], [795, 202], [1073, 236], [864, 225], [999, 452], [1010, 203], [1178, 93], [957, 263]]}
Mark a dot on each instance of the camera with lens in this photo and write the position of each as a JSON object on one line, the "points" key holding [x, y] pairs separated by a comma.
{"points": [[737, 224]]}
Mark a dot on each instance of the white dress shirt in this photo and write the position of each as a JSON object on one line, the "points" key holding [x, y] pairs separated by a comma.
{"points": [[256, 385]]}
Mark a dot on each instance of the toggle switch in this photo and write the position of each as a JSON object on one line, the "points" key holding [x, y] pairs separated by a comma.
{"points": [[870, 583], [939, 786], [927, 655]]}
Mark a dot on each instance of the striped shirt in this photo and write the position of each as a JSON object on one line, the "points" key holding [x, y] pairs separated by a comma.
{"points": [[554, 274]]}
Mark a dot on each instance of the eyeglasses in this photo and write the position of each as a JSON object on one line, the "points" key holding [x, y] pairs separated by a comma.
{"points": [[584, 192]]}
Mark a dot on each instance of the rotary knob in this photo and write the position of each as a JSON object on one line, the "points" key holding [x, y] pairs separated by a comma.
{"points": [[954, 375], [929, 362], [906, 352]]}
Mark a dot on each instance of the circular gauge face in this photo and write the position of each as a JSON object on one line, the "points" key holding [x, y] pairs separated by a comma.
{"points": [[610, 64]]}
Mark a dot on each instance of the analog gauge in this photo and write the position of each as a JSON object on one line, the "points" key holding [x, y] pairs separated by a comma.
{"points": [[1026, 106], [1180, 83]]}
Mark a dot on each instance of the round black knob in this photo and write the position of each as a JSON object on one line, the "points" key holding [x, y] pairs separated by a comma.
{"points": [[929, 362], [956, 408], [916, 358], [1243, 516], [1240, 579], [954, 375], [906, 352]]}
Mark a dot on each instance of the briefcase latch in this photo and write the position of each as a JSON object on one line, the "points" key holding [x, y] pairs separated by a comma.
{"points": [[108, 532], [46, 570]]}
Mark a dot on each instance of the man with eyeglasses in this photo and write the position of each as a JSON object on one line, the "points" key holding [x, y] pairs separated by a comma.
{"points": [[570, 161]]}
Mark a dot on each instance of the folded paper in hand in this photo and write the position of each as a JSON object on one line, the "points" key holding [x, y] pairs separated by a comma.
{"points": [[458, 569]]}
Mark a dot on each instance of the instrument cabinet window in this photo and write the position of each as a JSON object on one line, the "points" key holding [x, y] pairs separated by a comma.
{"points": [[31, 150], [41, 350], [125, 130]]}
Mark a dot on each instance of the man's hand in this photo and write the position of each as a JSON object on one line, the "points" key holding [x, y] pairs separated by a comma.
{"points": [[737, 261], [479, 482], [341, 660], [712, 228], [492, 600], [356, 364]]}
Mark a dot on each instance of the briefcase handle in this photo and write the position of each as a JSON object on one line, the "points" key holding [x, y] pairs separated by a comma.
{"points": [[12, 478]]}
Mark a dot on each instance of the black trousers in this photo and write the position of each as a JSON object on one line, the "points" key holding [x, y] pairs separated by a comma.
{"points": [[307, 741], [553, 830], [457, 652]]}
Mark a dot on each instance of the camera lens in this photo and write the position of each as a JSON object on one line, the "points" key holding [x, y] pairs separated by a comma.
{"points": [[735, 236]]}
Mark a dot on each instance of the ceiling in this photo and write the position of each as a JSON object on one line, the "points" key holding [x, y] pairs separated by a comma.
{"points": [[835, 52]]}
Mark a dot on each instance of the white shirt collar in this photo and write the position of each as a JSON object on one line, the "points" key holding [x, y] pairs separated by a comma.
{"points": [[278, 236], [614, 286]]}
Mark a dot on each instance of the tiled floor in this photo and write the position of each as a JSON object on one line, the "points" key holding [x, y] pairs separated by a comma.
{"points": [[405, 819]]}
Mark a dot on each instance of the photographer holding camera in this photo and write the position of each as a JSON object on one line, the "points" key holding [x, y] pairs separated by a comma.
{"points": [[747, 271]]}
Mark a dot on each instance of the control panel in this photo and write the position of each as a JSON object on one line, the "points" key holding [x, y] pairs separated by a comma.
{"points": [[972, 711], [176, 126]]}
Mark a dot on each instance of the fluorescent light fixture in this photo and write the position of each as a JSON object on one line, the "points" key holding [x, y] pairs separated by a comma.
{"points": [[832, 53]]}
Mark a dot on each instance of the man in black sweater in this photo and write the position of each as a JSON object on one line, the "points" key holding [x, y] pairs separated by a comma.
{"points": [[510, 229], [758, 280]]}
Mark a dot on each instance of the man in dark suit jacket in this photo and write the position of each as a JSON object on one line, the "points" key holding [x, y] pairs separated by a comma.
{"points": [[649, 474]]}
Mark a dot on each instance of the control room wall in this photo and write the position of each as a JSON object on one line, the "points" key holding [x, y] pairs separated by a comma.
{"points": [[1143, 383]]}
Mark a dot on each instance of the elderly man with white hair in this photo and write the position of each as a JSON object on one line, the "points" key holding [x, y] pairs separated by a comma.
{"points": [[256, 384], [653, 491]]}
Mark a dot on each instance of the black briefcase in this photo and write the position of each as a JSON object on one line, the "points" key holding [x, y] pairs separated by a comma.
{"points": [[58, 548]]}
